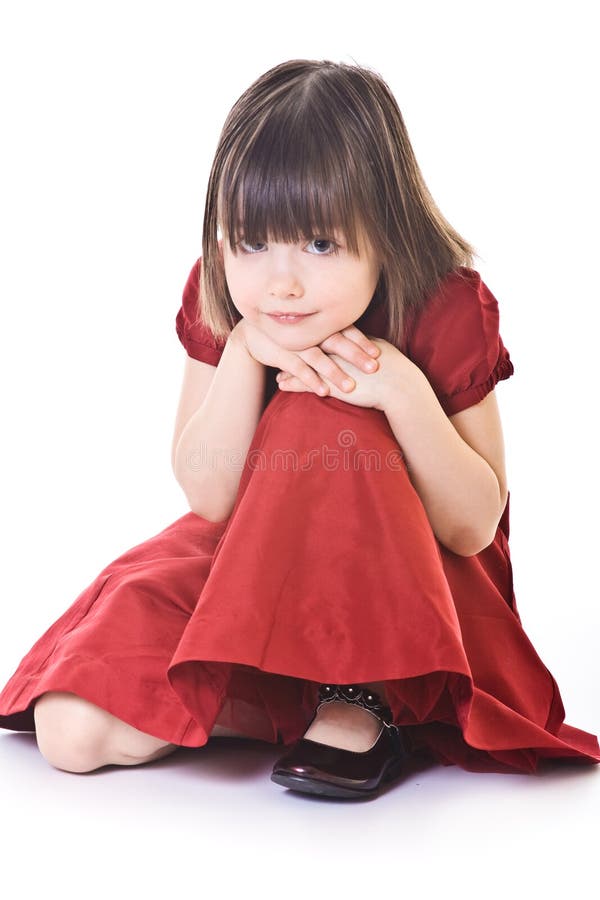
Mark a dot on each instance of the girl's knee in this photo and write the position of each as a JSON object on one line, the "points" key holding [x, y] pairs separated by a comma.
{"points": [[72, 733]]}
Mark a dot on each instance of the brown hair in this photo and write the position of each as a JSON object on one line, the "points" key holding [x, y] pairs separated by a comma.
{"points": [[313, 146]]}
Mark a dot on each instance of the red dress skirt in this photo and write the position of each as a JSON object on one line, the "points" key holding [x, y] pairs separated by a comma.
{"points": [[327, 570]]}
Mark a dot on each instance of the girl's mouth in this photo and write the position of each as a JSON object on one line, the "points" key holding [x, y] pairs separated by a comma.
{"points": [[289, 319]]}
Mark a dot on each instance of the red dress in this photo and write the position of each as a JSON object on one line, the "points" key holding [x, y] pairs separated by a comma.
{"points": [[327, 570]]}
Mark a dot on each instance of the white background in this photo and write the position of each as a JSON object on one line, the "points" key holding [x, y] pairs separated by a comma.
{"points": [[110, 115]]}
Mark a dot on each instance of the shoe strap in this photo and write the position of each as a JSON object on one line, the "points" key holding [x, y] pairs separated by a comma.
{"points": [[358, 696], [371, 701]]}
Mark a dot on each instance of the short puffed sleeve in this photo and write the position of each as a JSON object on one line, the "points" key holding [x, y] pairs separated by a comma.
{"points": [[456, 341], [196, 337]]}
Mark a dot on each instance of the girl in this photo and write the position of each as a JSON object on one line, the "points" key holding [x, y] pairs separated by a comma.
{"points": [[342, 583]]}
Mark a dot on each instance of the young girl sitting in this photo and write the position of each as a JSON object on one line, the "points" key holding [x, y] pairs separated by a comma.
{"points": [[342, 583]]}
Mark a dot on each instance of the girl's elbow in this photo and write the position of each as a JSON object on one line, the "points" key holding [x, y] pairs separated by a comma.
{"points": [[468, 542], [204, 506], [214, 506], [209, 513]]}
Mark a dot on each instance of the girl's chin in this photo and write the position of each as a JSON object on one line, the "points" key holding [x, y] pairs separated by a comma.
{"points": [[298, 337], [298, 345]]}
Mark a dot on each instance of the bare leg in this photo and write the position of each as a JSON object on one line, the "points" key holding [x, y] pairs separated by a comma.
{"points": [[78, 736], [348, 727], [222, 731]]}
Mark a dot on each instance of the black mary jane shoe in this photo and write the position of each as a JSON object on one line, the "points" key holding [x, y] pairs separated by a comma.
{"points": [[315, 768]]}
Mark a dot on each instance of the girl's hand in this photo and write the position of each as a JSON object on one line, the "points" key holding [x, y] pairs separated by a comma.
{"points": [[372, 389], [306, 366]]}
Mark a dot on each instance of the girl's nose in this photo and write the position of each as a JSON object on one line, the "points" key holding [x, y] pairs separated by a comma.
{"points": [[283, 272], [284, 284]]}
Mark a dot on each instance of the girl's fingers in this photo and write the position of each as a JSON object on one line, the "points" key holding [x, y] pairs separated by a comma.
{"points": [[356, 335], [314, 364], [296, 385], [367, 349], [324, 363], [353, 345], [319, 361], [307, 373]]}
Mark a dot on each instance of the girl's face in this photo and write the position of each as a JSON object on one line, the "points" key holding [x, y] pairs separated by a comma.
{"points": [[332, 288]]}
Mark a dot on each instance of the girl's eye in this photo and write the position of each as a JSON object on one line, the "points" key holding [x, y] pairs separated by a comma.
{"points": [[316, 241], [335, 247], [243, 249]]}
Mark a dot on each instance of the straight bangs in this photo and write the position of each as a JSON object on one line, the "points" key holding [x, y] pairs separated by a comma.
{"points": [[296, 181]]}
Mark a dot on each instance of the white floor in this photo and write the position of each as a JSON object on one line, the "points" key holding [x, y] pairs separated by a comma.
{"points": [[211, 819]]}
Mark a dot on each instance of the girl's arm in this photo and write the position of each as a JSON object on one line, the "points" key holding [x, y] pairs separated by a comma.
{"points": [[209, 457], [462, 484]]}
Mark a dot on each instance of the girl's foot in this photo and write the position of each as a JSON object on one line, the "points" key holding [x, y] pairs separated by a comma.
{"points": [[347, 751]]}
